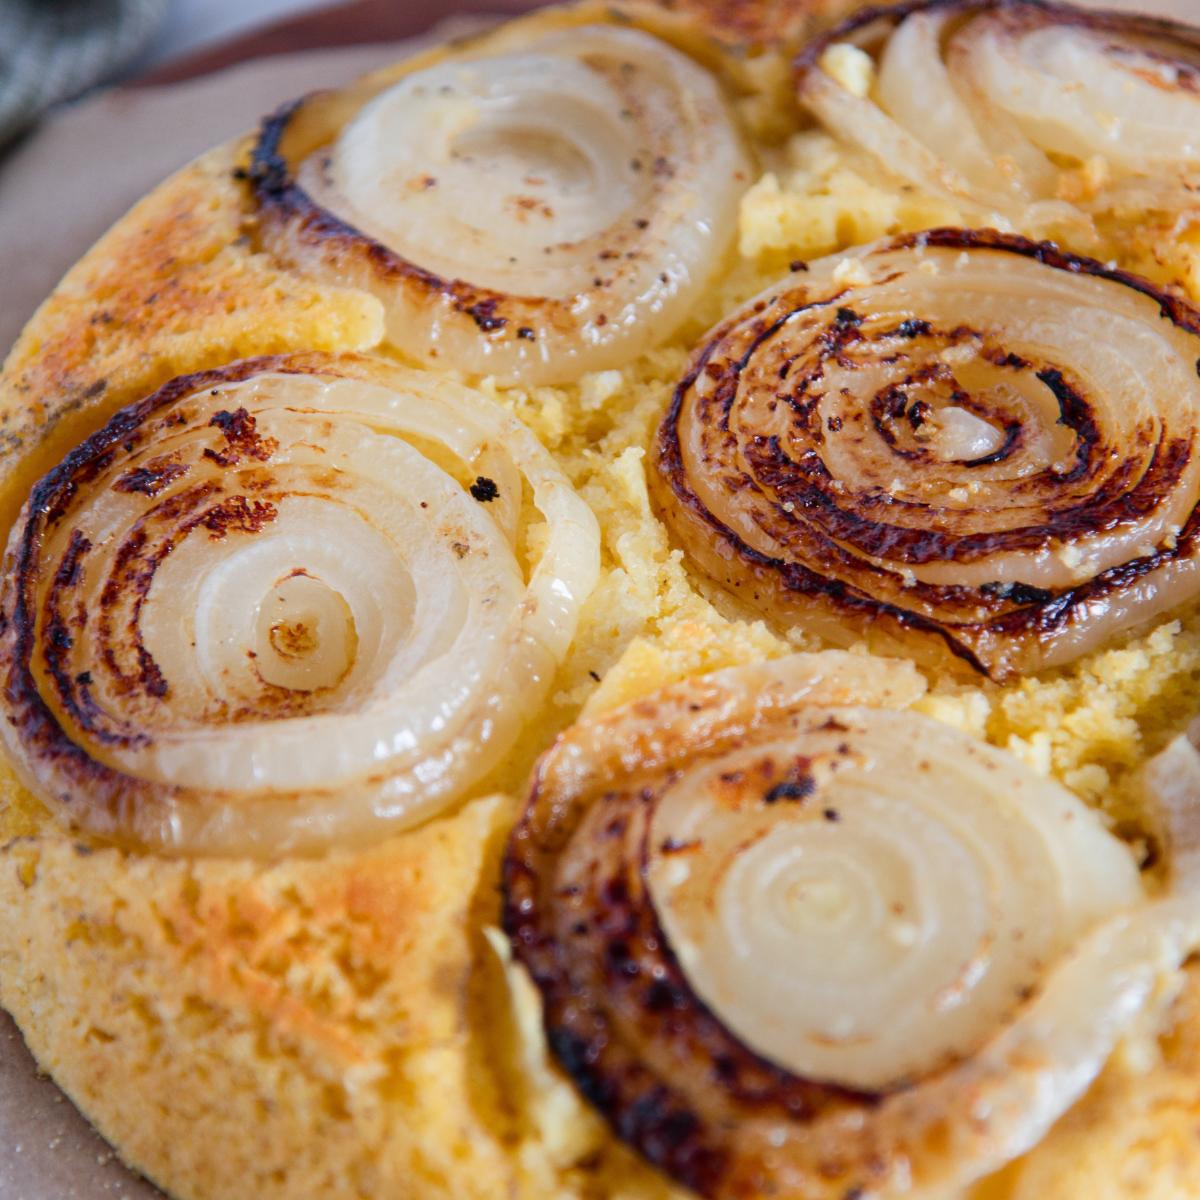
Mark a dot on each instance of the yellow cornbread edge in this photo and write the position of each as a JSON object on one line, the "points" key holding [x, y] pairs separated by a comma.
{"points": [[351, 1026]]}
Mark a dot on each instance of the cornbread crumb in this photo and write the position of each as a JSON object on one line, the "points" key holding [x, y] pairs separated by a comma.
{"points": [[814, 201], [353, 1027], [851, 67]]}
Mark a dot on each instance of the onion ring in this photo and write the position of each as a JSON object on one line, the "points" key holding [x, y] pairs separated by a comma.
{"points": [[790, 947], [949, 441], [1032, 116], [265, 611], [532, 215]]}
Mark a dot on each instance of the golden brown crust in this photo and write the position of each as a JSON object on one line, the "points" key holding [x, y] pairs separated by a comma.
{"points": [[320, 1007], [174, 287], [331, 1028]]}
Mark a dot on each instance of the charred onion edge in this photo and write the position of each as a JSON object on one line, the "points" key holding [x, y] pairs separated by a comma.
{"points": [[1108, 20], [94, 782], [792, 579], [281, 199], [641, 1107]]}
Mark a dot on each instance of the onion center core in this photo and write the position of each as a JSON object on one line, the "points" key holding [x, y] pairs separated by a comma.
{"points": [[960, 436], [305, 635], [543, 159]]}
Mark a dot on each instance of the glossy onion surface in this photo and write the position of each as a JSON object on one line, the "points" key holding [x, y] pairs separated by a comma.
{"points": [[285, 605], [794, 940], [532, 214], [1027, 114], [953, 442]]}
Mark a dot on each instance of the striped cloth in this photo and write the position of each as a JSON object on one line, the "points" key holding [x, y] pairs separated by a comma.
{"points": [[52, 50]]}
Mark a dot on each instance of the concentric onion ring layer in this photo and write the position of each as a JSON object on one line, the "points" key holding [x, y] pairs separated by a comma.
{"points": [[535, 214], [958, 439], [1030, 116], [795, 947], [921, 912], [262, 613]]}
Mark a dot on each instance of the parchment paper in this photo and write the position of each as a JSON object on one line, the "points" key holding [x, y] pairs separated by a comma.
{"points": [[58, 193]]}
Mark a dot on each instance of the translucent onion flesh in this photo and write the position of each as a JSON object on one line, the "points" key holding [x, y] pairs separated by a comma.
{"points": [[1170, 787], [956, 441], [1035, 117], [532, 214], [263, 612], [795, 947]]}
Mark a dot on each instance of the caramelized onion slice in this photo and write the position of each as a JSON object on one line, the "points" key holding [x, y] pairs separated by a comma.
{"points": [[791, 946], [283, 605], [533, 215], [1033, 116], [1171, 787], [953, 441]]}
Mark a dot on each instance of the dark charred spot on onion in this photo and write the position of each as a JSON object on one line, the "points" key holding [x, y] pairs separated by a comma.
{"points": [[847, 317], [484, 489], [526, 333], [242, 439], [58, 637], [832, 815], [577, 1057], [657, 1118], [669, 846], [154, 683], [919, 413], [157, 474], [797, 788], [621, 960], [912, 328], [238, 514], [663, 996], [483, 313], [616, 828], [999, 357], [1018, 593]]}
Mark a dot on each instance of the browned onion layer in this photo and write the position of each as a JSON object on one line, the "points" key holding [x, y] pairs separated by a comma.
{"points": [[956, 440], [1034, 115], [280, 606], [792, 940], [527, 207]]}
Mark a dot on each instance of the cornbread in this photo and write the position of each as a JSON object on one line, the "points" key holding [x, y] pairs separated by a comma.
{"points": [[353, 1025]]}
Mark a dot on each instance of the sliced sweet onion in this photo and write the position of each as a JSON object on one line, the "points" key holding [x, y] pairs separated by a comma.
{"points": [[794, 947], [1171, 785], [532, 214], [280, 606], [954, 441], [929, 877], [1029, 116]]}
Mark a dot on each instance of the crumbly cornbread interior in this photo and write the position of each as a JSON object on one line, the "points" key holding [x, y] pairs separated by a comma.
{"points": [[350, 1026]]}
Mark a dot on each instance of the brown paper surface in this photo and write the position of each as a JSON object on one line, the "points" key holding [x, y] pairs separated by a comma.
{"points": [[58, 193]]}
